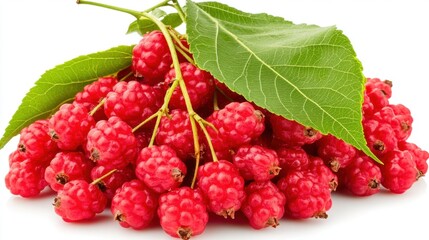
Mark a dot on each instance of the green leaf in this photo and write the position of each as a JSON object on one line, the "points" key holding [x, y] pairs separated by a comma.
{"points": [[60, 84], [305, 73], [144, 25]]}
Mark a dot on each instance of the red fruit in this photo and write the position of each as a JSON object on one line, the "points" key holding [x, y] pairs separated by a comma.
{"points": [[35, 142], [131, 101], [134, 205], [151, 58], [362, 177], [376, 84], [16, 156], [175, 131], [223, 186], [420, 156], [199, 85], [93, 93], [398, 117], [399, 171], [335, 152], [306, 195], [291, 133], [70, 125], [182, 212], [323, 172], [380, 137], [25, 178], [79, 200], [236, 124], [264, 204], [292, 159], [160, 168], [109, 184], [111, 143], [67, 166], [256, 163]]}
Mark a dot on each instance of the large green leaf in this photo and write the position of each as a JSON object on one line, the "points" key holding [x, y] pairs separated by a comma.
{"points": [[60, 84], [303, 72]]}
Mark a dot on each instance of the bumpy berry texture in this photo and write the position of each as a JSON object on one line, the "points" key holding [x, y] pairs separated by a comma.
{"points": [[131, 101], [182, 212], [398, 117], [292, 159], [35, 142], [111, 143], [175, 131], [236, 124], [134, 205], [199, 84], [70, 125], [151, 58], [324, 173], [264, 204], [26, 178], [378, 92], [362, 177], [16, 157], [67, 166], [291, 133], [160, 168], [335, 152], [306, 195], [93, 93], [420, 156], [256, 163], [223, 186], [79, 200], [110, 183], [380, 137], [399, 171]]}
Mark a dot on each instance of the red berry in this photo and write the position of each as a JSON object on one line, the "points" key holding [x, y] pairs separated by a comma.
{"points": [[420, 156], [111, 143], [264, 204], [306, 195], [109, 184], [256, 163], [323, 172], [160, 168], [131, 101], [223, 186], [182, 212], [378, 92], [380, 137], [79, 200], [16, 156], [362, 177], [175, 131], [291, 133], [35, 142], [292, 159], [26, 178], [398, 117], [199, 85], [67, 166], [151, 58], [335, 152], [134, 205], [376, 84], [70, 125], [399, 171], [93, 93], [236, 124]]}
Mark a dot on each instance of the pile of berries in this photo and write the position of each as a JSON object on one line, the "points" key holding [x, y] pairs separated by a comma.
{"points": [[132, 144]]}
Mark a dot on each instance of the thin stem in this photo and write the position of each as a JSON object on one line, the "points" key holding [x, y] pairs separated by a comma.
{"points": [[179, 10], [161, 4], [203, 124], [96, 181], [99, 105], [125, 10]]}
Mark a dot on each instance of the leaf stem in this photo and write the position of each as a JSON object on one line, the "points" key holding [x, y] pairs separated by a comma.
{"points": [[125, 10], [180, 11]]}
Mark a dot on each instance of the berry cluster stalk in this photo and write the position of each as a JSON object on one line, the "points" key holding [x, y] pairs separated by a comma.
{"points": [[178, 82]]}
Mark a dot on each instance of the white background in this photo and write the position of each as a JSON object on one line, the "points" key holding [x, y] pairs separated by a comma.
{"points": [[390, 38]]}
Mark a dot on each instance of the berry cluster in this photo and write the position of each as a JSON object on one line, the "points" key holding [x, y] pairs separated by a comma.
{"points": [[146, 142]]}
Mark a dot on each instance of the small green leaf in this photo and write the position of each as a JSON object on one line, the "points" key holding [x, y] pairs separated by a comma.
{"points": [[306, 73], [172, 19], [60, 84], [159, 13]]}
